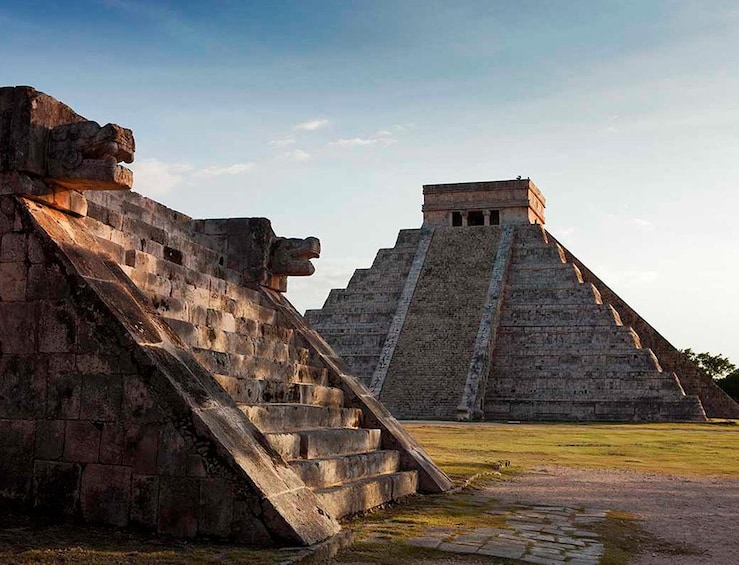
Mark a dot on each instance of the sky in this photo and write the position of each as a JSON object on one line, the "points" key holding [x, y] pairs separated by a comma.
{"points": [[328, 117]]}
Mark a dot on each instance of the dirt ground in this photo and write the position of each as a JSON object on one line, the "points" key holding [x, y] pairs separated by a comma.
{"points": [[699, 515]]}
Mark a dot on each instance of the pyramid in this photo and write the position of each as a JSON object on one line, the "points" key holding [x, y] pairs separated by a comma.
{"points": [[482, 314], [152, 373]]}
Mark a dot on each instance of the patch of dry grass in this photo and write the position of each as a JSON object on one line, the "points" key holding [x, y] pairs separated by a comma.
{"points": [[680, 449]]}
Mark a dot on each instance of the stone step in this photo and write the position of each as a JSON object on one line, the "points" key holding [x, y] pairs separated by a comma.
{"points": [[359, 307], [260, 391], [544, 253], [572, 373], [686, 409], [297, 417], [325, 442], [660, 385], [546, 315], [235, 365], [554, 275], [367, 328], [332, 471], [363, 495], [566, 338], [533, 235], [634, 360], [584, 293]]}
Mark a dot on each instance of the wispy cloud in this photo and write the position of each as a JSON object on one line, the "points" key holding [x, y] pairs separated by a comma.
{"points": [[215, 171], [155, 177], [382, 137], [297, 155], [643, 224], [311, 125], [284, 142]]}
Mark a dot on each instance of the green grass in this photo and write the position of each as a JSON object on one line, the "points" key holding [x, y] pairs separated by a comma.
{"points": [[680, 449]]}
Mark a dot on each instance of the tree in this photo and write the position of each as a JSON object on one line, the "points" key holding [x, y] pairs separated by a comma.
{"points": [[716, 366], [730, 384]]}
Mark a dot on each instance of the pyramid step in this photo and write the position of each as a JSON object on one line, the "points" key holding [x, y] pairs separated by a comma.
{"points": [[557, 275], [332, 471], [634, 360], [565, 339], [572, 373], [363, 495], [260, 391], [270, 418], [544, 253], [325, 442], [545, 315], [584, 293]]}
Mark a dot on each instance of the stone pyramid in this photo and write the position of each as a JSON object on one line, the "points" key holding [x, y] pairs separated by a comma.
{"points": [[482, 314], [152, 374]]}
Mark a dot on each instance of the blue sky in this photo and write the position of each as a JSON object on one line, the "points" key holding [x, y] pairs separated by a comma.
{"points": [[327, 117]]}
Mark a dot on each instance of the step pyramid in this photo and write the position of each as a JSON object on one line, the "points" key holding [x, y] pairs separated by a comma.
{"points": [[152, 373], [482, 314]]}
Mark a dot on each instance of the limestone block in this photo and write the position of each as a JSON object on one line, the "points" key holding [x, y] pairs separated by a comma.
{"points": [[56, 488], [82, 441], [22, 386], [144, 500], [49, 439], [178, 506], [215, 512], [16, 463], [105, 494]]}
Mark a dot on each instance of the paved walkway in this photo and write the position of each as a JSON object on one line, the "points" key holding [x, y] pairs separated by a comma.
{"points": [[546, 535]]}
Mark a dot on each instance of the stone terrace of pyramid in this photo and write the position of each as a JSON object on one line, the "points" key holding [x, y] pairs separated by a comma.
{"points": [[152, 374], [482, 313]]}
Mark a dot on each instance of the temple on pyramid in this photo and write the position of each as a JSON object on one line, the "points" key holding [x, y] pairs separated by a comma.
{"points": [[152, 373], [482, 314]]}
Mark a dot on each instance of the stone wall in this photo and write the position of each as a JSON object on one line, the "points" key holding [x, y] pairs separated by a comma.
{"points": [[85, 432]]}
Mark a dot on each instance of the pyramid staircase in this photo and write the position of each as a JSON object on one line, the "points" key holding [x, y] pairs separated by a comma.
{"points": [[253, 349], [562, 353]]}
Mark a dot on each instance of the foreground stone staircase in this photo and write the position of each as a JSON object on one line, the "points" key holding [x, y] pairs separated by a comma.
{"points": [[268, 368]]}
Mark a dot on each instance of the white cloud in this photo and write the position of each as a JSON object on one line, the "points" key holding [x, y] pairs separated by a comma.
{"points": [[311, 125], [284, 142], [384, 139], [215, 171], [153, 177], [297, 155], [643, 224]]}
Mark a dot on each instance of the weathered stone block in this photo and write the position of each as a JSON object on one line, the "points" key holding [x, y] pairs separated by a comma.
{"points": [[137, 402], [178, 506], [173, 454], [56, 488], [141, 448], [112, 443], [46, 281], [144, 499], [13, 247], [12, 281], [57, 327], [18, 323], [50, 439], [16, 461], [101, 397], [216, 507], [105, 494], [22, 386], [64, 394], [82, 441]]}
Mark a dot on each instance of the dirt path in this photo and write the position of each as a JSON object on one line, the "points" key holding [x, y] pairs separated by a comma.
{"points": [[701, 513]]}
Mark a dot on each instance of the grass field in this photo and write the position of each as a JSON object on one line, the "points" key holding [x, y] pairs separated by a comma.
{"points": [[680, 449], [462, 450]]}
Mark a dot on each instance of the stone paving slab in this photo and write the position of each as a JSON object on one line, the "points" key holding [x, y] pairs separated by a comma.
{"points": [[543, 535]]}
